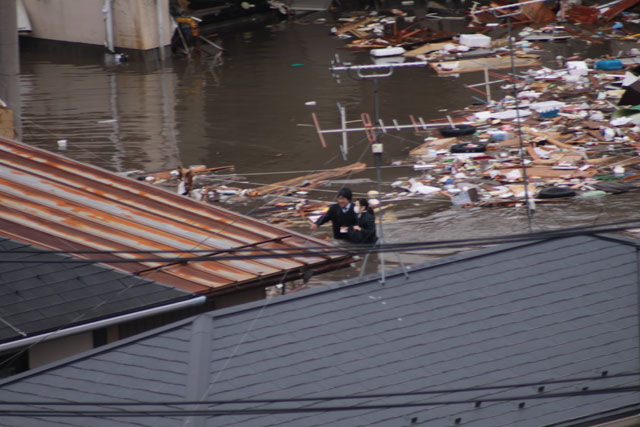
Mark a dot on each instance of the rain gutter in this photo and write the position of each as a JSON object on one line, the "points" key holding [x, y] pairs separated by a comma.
{"points": [[101, 323]]}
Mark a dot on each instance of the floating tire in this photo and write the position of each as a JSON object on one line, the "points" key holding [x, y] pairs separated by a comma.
{"points": [[556, 193], [468, 147], [460, 130]]}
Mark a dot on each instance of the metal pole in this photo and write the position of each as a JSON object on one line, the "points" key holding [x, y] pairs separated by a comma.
{"points": [[108, 21], [159, 9], [10, 61], [487, 84], [525, 181], [343, 124], [376, 103], [377, 156]]}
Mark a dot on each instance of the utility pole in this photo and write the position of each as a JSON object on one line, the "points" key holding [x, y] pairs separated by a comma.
{"points": [[501, 12], [10, 61]]}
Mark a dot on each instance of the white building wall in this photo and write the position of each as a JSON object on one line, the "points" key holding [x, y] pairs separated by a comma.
{"points": [[82, 21]]}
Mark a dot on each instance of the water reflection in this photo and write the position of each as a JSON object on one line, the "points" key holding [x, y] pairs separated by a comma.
{"points": [[113, 117]]}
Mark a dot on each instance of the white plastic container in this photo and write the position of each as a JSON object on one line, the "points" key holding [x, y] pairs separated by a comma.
{"points": [[546, 106], [387, 51], [577, 68], [475, 40]]}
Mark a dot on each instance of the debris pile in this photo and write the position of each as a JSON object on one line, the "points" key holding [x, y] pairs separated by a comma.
{"points": [[397, 29], [571, 135], [572, 132]]}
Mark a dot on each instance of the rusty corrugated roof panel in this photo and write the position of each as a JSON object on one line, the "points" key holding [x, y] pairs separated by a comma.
{"points": [[57, 203]]}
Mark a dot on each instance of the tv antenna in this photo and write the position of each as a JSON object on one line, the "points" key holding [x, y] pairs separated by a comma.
{"points": [[373, 129]]}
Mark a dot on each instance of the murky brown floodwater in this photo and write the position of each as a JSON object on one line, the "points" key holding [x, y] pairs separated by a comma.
{"points": [[250, 112]]}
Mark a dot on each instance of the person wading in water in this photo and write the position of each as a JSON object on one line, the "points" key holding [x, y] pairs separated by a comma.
{"points": [[365, 229], [341, 215]]}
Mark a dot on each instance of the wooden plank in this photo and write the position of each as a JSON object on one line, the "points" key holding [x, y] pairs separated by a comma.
{"points": [[424, 49], [552, 139], [195, 171], [479, 64], [511, 142], [616, 9], [307, 181], [548, 172], [573, 30], [439, 144], [354, 25], [627, 162]]}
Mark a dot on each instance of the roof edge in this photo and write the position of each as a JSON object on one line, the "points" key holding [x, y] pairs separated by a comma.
{"points": [[356, 281], [602, 418], [198, 300], [624, 240], [400, 271]]}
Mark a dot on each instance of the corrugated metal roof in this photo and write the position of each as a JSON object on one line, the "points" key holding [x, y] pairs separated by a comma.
{"points": [[57, 203]]}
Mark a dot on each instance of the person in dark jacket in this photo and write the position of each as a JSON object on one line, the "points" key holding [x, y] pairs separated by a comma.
{"points": [[365, 230], [340, 214]]}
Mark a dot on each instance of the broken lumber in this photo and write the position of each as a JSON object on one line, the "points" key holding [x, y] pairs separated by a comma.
{"points": [[200, 170], [573, 30], [439, 144], [617, 9], [306, 181], [354, 25], [426, 48], [479, 64]]}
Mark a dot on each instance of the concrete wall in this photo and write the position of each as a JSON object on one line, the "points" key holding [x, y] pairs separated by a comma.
{"points": [[135, 22], [50, 351]]}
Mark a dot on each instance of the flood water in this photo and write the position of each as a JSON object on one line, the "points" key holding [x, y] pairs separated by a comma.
{"points": [[249, 111]]}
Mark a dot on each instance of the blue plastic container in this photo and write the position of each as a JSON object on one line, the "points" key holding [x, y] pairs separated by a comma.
{"points": [[609, 64], [549, 114]]}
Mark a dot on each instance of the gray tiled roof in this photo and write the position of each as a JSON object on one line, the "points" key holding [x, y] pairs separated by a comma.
{"points": [[50, 294], [548, 310]]}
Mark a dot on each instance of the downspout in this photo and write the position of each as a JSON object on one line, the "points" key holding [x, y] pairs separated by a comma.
{"points": [[101, 323], [107, 10], [159, 9]]}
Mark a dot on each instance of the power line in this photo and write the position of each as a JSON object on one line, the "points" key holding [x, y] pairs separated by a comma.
{"points": [[603, 376], [126, 413], [311, 251]]}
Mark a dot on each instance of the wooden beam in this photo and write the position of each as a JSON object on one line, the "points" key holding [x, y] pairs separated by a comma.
{"points": [[306, 181], [617, 9]]}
